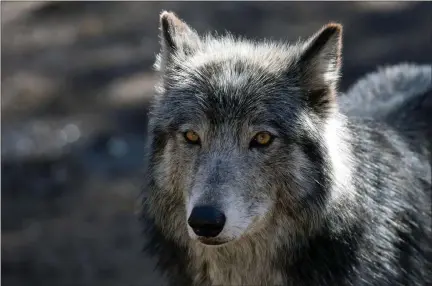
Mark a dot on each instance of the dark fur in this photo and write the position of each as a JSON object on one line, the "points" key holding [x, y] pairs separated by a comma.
{"points": [[380, 236]]}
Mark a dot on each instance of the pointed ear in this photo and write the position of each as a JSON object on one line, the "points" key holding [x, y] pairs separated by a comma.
{"points": [[320, 64], [177, 38]]}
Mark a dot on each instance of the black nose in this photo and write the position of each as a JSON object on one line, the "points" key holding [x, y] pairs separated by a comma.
{"points": [[206, 221]]}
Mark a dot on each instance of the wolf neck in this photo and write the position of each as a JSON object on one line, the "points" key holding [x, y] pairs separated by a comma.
{"points": [[249, 261]]}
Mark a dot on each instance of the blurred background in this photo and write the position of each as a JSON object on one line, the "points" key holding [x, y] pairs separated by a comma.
{"points": [[76, 78]]}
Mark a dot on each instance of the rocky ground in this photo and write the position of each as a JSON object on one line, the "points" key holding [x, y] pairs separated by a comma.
{"points": [[75, 82]]}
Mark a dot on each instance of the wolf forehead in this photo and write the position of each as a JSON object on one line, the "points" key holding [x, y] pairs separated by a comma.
{"points": [[229, 79], [229, 64], [234, 60]]}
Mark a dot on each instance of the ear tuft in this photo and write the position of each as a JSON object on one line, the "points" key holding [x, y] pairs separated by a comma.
{"points": [[323, 53], [320, 64], [176, 38], [165, 28], [329, 35], [171, 27]]}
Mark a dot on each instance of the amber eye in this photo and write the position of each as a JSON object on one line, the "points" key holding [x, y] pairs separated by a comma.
{"points": [[192, 137], [261, 139]]}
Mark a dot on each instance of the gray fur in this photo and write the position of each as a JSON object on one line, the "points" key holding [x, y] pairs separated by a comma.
{"points": [[380, 92], [338, 198]]}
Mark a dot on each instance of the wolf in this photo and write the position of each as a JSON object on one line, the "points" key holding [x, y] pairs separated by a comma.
{"points": [[259, 172]]}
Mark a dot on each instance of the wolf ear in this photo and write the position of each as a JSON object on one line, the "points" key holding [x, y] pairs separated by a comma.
{"points": [[320, 63], [176, 38]]}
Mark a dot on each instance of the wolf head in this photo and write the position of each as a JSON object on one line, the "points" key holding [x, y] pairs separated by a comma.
{"points": [[240, 133]]}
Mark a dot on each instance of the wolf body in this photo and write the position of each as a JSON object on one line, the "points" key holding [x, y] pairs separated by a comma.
{"points": [[336, 191]]}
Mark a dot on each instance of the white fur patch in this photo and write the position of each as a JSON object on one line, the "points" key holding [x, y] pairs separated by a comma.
{"points": [[336, 139]]}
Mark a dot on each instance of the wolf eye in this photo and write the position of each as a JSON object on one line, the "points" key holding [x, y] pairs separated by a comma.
{"points": [[192, 137], [261, 139]]}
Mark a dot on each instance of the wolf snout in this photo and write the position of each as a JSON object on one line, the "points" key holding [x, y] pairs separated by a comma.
{"points": [[206, 221]]}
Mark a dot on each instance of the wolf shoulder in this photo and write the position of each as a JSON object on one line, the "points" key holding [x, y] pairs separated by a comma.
{"points": [[390, 113], [389, 88]]}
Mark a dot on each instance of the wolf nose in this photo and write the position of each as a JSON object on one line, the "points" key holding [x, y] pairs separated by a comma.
{"points": [[206, 221]]}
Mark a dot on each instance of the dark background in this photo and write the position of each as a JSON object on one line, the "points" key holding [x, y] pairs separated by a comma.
{"points": [[76, 78]]}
